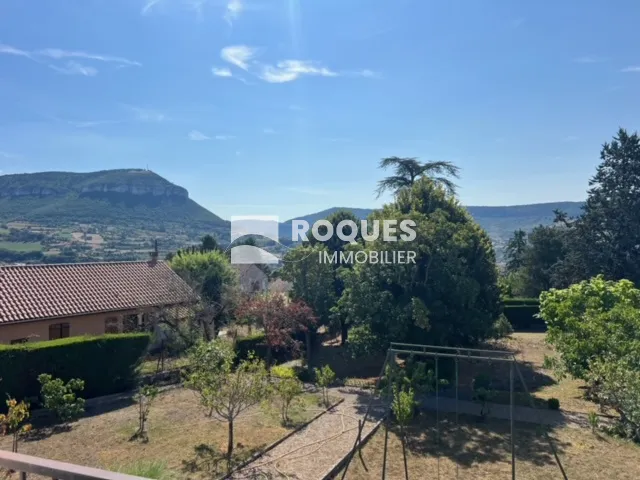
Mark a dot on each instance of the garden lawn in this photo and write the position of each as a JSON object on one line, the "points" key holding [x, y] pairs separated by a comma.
{"points": [[531, 348], [482, 451], [176, 425]]}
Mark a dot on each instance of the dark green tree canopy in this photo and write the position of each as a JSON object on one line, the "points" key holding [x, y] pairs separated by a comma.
{"points": [[608, 233], [449, 296], [408, 170]]}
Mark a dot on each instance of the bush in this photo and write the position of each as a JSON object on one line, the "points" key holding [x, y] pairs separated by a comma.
{"points": [[61, 399], [553, 404], [502, 327], [257, 344], [107, 363], [325, 377], [283, 372]]}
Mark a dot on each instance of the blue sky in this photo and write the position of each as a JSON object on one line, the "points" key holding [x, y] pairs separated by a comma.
{"points": [[286, 106]]}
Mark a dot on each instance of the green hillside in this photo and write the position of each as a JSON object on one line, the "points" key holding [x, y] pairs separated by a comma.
{"points": [[107, 197]]}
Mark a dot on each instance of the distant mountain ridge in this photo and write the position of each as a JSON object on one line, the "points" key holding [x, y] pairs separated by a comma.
{"points": [[110, 196], [119, 203], [499, 222]]}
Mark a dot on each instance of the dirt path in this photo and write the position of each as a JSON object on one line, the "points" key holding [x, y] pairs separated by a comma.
{"points": [[311, 453]]}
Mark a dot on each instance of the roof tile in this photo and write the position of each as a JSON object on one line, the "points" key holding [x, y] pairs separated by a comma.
{"points": [[46, 291]]}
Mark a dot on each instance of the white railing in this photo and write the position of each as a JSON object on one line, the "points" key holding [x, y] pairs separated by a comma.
{"points": [[25, 464]]}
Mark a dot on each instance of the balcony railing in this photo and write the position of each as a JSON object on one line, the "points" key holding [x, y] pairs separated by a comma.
{"points": [[26, 464]]}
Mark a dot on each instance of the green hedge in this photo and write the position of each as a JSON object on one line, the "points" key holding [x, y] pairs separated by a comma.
{"points": [[522, 317], [520, 301], [256, 343], [107, 364]]}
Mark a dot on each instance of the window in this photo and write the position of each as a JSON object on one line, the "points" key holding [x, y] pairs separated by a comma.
{"points": [[130, 323], [59, 330], [19, 340], [111, 325]]}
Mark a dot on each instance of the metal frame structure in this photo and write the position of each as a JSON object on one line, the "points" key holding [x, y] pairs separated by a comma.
{"points": [[457, 354]]}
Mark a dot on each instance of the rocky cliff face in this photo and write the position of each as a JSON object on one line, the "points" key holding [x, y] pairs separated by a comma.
{"points": [[154, 190], [59, 184]]}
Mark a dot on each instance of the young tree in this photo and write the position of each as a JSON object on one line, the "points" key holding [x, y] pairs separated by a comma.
{"points": [[312, 281], [515, 250], [226, 393], [61, 398], [145, 397], [408, 170], [325, 377], [216, 289], [403, 407], [271, 313], [287, 391], [13, 422], [303, 319]]}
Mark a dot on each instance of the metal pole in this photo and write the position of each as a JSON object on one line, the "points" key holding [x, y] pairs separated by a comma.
{"points": [[384, 453], [513, 449], [438, 414], [457, 423]]}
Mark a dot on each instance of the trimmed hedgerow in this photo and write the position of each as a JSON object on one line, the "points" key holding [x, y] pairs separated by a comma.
{"points": [[107, 363]]}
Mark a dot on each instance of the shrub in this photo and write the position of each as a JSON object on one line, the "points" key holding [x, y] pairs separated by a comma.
{"points": [[258, 345], [502, 327], [107, 363], [553, 404], [287, 390], [280, 371], [145, 397], [325, 377], [153, 469], [60, 398], [13, 422]]}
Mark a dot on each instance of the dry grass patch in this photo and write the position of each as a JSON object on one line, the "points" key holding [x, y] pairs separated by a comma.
{"points": [[531, 349], [176, 426], [482, 451]]}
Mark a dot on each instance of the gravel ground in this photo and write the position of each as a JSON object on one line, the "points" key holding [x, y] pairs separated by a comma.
{"points": [[312, 452]]}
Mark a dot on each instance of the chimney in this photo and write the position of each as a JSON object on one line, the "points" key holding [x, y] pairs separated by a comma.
{"points": [[154, 254]]}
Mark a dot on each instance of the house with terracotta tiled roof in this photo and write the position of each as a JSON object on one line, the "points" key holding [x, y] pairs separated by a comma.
{"points": [[47, 302]]}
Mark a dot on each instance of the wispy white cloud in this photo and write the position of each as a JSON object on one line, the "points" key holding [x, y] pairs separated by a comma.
{"points": [[9, 50], [149, 4], [74, 68], [198, 136], [571, 138], [631, 69], [233, 10], [9, 155], [57, 54], [289, 70], [221, 72], [269, 131], [238, 55], [242, 56], [224, 137], [71, 67], [143, 114], [588, 59]]}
